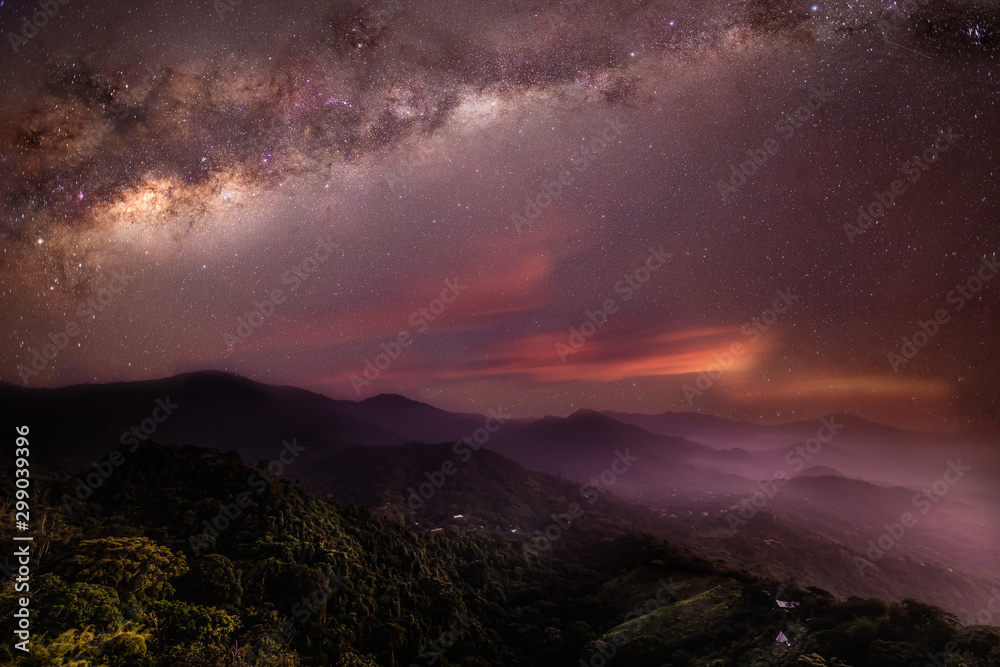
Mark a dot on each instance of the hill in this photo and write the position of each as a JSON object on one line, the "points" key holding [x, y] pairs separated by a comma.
{"points": [[210, 409], [166, 564], [687, 489]]}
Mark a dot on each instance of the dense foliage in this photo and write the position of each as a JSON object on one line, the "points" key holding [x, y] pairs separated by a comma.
{"points": [[134, 576]]}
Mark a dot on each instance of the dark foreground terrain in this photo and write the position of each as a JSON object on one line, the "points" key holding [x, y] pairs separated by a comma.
{"points": [[184, 556]]}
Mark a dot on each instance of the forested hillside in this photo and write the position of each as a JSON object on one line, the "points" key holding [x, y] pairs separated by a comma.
{"points": [[135, 576]]}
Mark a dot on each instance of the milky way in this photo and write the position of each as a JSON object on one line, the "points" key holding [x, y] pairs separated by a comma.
{"points": [[285, 190]]}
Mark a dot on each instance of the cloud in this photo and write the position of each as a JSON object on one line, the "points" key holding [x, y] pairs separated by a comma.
{"points": [[840, 387], [608, 357]]}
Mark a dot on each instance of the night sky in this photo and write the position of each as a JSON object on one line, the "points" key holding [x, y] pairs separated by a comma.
{"points": [[471, 179]]}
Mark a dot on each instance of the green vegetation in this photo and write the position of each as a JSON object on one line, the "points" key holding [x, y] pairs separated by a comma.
{"points": [[296, 580]]}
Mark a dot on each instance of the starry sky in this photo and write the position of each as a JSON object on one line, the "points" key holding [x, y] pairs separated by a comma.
{"points": [[755, 201]]}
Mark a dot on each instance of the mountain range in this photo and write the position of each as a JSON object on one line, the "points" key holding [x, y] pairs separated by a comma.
{"points": [[790, 500]]}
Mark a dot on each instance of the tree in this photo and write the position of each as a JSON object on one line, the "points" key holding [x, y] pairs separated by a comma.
{"points": [[136, 567], [182, 622], [352, 659], [77, 605], [213, 581], [125, 649]]}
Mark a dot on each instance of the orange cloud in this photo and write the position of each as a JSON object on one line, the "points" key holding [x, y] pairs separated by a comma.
{"points": [[535, 359], [840, 387], [607, 358], [503, 276]]}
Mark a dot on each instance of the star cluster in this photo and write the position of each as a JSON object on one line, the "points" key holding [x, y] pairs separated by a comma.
{"points": [[203, 149]]}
